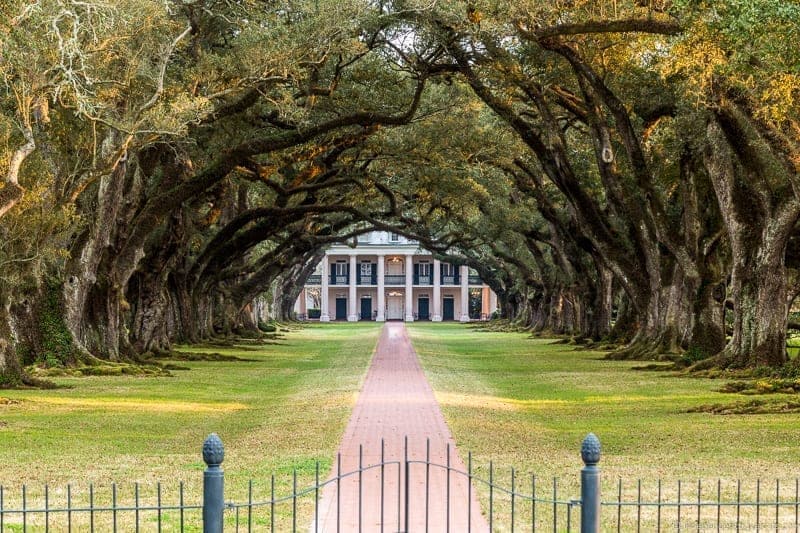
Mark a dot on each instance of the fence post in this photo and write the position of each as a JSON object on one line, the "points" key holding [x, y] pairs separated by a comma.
{"points": [[590, 485], [213, 484]]}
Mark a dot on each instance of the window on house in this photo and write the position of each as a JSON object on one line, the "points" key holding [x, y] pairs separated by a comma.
{"points": [[394, 237]]}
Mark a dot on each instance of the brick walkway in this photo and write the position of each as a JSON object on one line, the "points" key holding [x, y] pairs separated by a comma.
{"points": [[396, 402]]}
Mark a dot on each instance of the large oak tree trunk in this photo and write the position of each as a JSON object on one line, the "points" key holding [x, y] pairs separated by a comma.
{"points": [[148, 331], [187, 314], [759, 293], [92, 303], [758, 222], [708, 325], [599, 318]]}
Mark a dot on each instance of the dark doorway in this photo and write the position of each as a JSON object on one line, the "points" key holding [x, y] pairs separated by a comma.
{"points": [[423, 309], [341, 309], [366, 308], [448, 309]]}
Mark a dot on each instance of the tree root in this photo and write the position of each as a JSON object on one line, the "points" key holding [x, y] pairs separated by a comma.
{"points": [[115, 369], [751, 407], [176, 355], [643, 351]]}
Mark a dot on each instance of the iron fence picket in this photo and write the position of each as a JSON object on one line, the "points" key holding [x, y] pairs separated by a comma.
{"points": [[758, 507], [719, 500], [114, 505], [316, 496], [469, 492], [181, 504], [639, 505], [678, 506], [158, 490], [136, 499], [555, 506], [659, 505], [427, 483], [513, 491], [491, 497], [294, 502], [533, 503], [738, 503]]}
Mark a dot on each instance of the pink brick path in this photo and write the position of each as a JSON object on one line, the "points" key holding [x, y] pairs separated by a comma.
{"points": [[396, 401]]}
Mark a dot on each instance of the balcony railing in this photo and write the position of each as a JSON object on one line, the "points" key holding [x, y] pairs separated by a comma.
{"points": [[335, 279]]}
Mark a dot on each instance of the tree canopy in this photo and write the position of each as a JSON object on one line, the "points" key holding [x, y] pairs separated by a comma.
{"points": [[620, 170]]}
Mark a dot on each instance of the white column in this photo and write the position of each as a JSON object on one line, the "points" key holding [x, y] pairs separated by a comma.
{"points": [[324, 316], [352, 315], [381, 317], [492, 302], [437, 291], [304, 302], [299, 305], [409, 288], [464, 293]]}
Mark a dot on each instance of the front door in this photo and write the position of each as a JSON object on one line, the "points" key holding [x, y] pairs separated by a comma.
{"points": [[448, 309], [394, 308], [341, 309], [366, 308], [423, 309]]}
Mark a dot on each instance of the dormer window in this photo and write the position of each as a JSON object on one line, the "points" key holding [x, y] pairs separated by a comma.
{"points": [[394, 237]]}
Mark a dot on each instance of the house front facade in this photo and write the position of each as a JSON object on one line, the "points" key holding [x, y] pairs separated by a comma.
{"points": [[388, 277]]}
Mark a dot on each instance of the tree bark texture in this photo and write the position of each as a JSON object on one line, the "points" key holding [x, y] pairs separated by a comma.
{"points": [[758, 222]]}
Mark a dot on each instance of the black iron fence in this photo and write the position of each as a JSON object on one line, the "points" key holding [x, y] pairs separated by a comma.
{"points": [[407, 499]]}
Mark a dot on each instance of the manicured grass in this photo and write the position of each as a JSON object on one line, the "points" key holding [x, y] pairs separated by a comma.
{"points": [[285, 409], [528, 403]]}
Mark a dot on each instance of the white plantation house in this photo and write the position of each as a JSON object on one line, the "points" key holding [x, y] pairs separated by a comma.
{"points": [[388, 277]]}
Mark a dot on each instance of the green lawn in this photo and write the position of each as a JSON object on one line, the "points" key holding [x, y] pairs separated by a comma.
{"points": [[286, 408], [527, 403], [515, 400]]}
